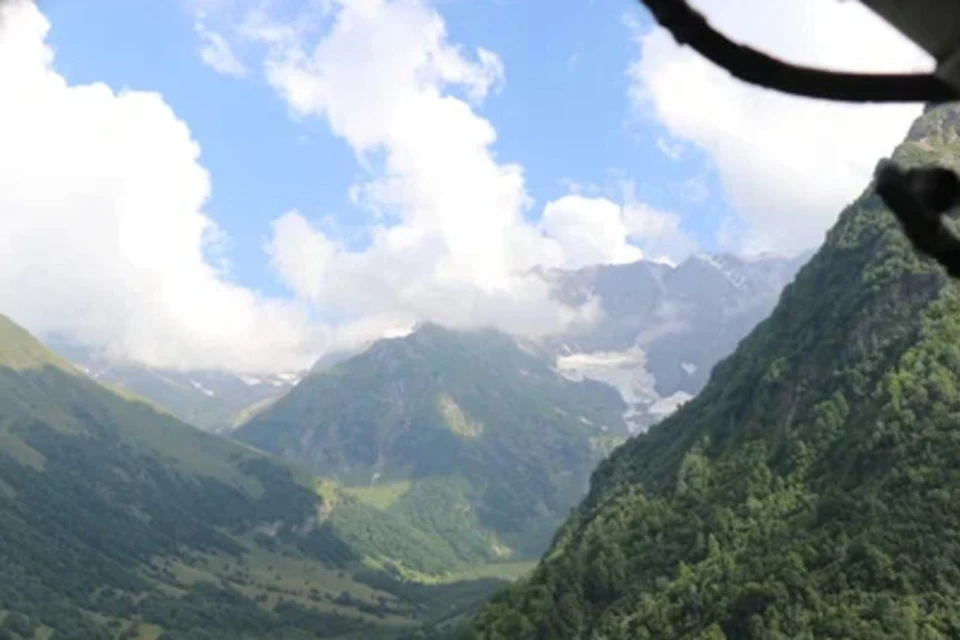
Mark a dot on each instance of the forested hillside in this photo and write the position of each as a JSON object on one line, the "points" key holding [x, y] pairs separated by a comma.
{"points": [[118, 521], [468, 439], [809, 491]]}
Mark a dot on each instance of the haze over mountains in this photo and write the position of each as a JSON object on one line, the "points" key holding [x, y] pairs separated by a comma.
{"points": [[212, 400]]}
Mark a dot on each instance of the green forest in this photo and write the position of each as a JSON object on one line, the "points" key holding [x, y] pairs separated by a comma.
{"points": [[809, 491], [490, 446]]}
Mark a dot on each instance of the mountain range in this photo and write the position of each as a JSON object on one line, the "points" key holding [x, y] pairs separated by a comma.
{"points": [[809, 490], [663, 328]]}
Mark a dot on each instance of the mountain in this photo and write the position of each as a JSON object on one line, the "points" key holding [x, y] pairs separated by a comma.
{"points": [[117, 520], [470, 438], [212, 400], [664, 327], [809, 491]]}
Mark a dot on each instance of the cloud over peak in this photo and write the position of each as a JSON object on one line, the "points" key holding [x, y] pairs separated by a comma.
{"points": [[105, 238]]}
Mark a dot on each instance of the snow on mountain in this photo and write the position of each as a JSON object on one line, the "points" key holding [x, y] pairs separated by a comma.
{"points": [[664, 327]]}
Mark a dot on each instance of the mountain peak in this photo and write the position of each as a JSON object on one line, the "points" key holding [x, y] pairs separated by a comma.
{"points": [[469, 417]]}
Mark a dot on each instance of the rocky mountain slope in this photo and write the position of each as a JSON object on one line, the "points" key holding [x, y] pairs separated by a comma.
{"points": [[809, 491], [664, 327], [470, 438], [117, 520]]}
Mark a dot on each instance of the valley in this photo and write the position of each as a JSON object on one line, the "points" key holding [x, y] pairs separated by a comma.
{"points": [[119, 520], [400, 486], [422, 320]]}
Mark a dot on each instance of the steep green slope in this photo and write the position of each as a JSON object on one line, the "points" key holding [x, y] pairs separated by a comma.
{"points": [[470, 439], [810, 491], [117, 520]]}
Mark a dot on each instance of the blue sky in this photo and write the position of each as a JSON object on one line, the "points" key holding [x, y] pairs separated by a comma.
{"points": [[368, 164], [563, 113]]}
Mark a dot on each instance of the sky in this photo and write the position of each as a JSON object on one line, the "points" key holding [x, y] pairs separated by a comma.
{"points": [[246, 184]]}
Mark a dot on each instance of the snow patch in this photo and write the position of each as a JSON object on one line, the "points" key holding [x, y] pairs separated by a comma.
{"points": [[689, 367], [199, 387], [276, 380], [626, 371]]}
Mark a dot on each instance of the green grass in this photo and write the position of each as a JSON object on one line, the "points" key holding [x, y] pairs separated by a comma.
{"points": [[148, 632], [381, 496], [503, 570]]}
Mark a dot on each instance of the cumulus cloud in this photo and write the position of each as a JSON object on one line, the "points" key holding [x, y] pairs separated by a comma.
{"points": [[597, 230], [787, 164], [590, 231], [449, 241], [103, 236]]}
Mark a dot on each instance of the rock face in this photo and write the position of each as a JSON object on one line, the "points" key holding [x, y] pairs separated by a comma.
{"points": [[665, 327], [809, 490]]}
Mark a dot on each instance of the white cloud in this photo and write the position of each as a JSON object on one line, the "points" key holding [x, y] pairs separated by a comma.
{"points": [[590, 231], [102, 194], [449, 241], [217, 53], [102, 231], [787, 164]]}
